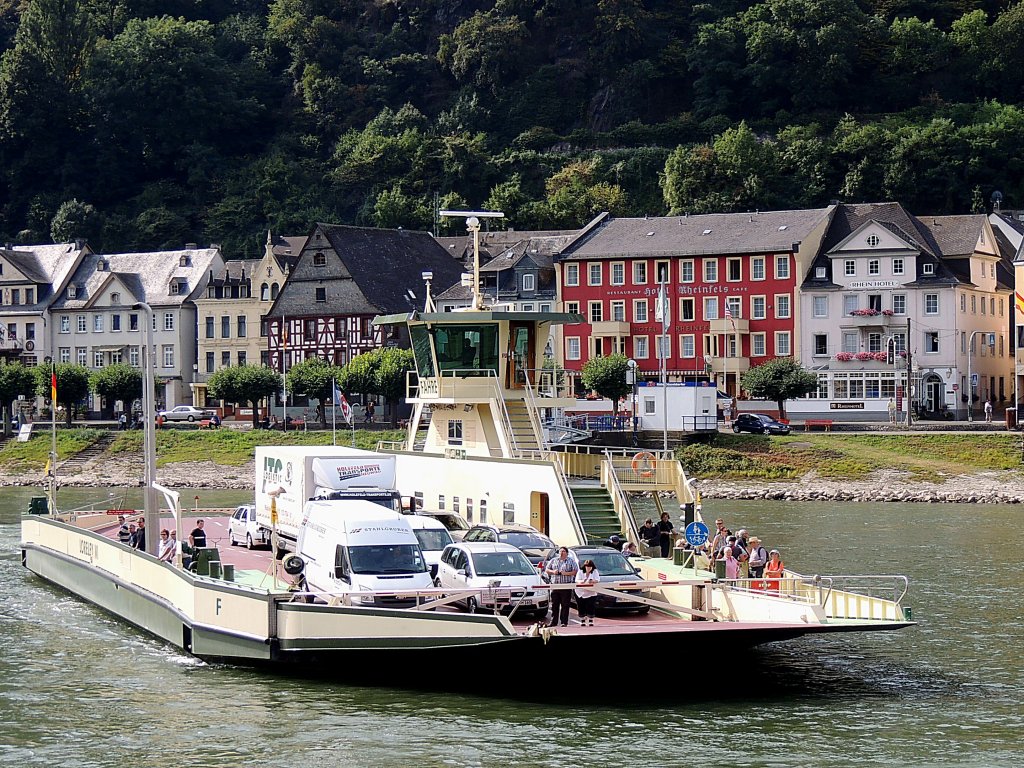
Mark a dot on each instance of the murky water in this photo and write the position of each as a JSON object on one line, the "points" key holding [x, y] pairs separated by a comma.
{"points": [[80, 688]]}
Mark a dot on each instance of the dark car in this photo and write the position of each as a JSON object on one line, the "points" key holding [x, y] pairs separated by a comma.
{"points": [[614, 567], [759, 424], [533, 543]]}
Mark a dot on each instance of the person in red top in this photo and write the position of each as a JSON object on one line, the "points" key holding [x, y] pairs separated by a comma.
{"points": [[773, 571]]}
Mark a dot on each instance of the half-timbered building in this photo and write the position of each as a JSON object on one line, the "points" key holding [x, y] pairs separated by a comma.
{"points": [[343, 278]]}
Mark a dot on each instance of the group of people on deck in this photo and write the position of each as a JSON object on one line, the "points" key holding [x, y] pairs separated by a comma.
{"points": [[745, 557], [134, 535]]}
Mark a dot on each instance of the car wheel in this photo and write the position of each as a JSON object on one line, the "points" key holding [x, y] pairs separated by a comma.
{"points": [[231, 538], [248, 541], [471, 605], [736, 428], [191, 417], [643, 610]]}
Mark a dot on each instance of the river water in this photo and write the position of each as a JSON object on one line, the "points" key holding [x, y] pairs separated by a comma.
{"points": [[80, 688]]}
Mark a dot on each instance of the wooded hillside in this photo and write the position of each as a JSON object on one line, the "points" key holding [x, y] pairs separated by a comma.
{"points": [[143, 124]]}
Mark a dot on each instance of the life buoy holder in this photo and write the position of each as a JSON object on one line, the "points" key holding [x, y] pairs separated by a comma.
{"points": [[644, 463]]}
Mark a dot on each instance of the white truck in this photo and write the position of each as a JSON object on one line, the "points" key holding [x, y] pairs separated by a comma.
{"points": [[296, 475]]}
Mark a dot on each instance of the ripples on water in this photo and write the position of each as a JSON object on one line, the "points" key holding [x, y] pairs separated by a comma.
{"points": [[80, 688]]}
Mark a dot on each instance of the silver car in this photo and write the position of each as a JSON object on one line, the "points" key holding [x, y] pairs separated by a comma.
{"points": [[185, 413]]}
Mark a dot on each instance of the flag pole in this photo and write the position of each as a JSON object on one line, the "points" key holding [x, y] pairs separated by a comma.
{"points": [[53, 437], [334, 412]]}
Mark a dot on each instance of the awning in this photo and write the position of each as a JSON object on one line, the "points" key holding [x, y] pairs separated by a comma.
{"points": [[110, 348]]}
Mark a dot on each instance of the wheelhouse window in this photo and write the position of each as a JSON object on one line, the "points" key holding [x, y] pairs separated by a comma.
{"points": [[463, 347]]}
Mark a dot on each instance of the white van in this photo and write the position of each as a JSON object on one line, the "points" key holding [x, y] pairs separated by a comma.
{"points": [[358, 546], [433, 538]]}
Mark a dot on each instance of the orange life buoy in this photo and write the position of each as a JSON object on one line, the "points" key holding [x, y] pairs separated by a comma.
{"points": [[644, 463]]}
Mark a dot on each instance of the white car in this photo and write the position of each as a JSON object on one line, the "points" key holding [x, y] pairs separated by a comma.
{"points": [[243, 529], [185, 413], [502, 572]]}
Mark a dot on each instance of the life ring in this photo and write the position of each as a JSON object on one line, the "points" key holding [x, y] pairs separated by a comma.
{"points": [[644, 463]]}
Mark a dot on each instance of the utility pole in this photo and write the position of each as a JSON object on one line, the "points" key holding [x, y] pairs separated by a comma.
{"points": [[907, 393]]}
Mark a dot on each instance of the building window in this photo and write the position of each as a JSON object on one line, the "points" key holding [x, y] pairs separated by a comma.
{"points": [[639, 310], [65, 355], [596, 346], [982, 304], [782, 348], [782, 267], [820, 273], [133, 322], [530, 283], [225, 359], [572, 348], [899, 304], [81, 324], [274, 290], [508, 513], [596, 309], [927, 269], [782, 305], [30, 331], [572, 307], [734, 305], [686, 271], [931, 303], [687, 346], [874, 342], [618, 274], [319, 259], [30, 294], [686, 309], [758, 308], [640, 350], [168, 355], [618, 311], [455, 432], [992, 306], [133, 356], [931, 341], [97, 323], [664, 347], [851, 342], [15, 296], [263, 327], [209, 327], [264, 292], [572, 274], [661, 271], [820, 306], [849, 267], [225, 327], [639, 273], [209, 362], [757, 344], [97, 359], [851, 302], [242, 357], [81, 355], [874, 267], [241, 324], [65, 323], [168, 321], [321, 295], [734, 269], [897, 266], [821, 344], [710, 270], [757, 268], [710, 308], [593, 274]]}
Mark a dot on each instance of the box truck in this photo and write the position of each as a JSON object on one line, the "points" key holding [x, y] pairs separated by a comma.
{"points": [[296, 475]]}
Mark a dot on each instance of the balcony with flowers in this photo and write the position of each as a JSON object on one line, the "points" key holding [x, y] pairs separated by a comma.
{"points": [[863, 318], [866, 357]]}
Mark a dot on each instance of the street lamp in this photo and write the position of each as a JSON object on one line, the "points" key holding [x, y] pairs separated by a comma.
{"points": [[631, 380], [473, 225], [152, 514]]}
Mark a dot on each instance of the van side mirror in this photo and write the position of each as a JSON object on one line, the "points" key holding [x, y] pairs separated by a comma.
{"points": [[461, 572]]}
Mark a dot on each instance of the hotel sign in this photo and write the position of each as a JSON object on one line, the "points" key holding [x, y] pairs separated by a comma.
{"points": [[864, 285], [846, 406]]}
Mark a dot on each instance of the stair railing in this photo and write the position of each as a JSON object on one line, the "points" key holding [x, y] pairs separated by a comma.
{"points": [[499, 398], [620, 500], [567, 497], [533, 411]]}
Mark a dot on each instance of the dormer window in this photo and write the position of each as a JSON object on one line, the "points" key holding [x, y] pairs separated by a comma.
{"points": [[928, 269], [101, 266], [872, 241], [319, 259], [72, 291], [174, 287], [115, 298], [178, 286], [183, 261], [820, 273]]}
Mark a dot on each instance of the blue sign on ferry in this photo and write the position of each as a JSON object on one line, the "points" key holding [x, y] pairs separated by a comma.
{"points": [[696, 533]]}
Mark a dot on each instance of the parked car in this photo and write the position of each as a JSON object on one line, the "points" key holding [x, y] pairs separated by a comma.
{"points": [[456, 524], [185, 413], [243, 528], [614, 567], [759, 424], [502, 572], [432, 536], [532, 542]]}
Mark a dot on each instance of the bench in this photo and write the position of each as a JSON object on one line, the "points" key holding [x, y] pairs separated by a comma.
{"points": [[204, 424], [826, 423]]}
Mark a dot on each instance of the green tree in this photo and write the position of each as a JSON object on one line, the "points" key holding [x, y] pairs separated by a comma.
{"points": [[360, 374], [16, 380], [244, 384], [315, 378], [390, 379], [73, 220], [607, 377], [484, 50], [118, 382], [779, 380], [72, 385]]}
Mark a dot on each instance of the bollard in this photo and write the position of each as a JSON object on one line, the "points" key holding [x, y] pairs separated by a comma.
{"points": [[229, 571]]}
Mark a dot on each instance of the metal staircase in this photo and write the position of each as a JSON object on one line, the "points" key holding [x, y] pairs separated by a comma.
{"points": [[524, 435], [596, 512]]}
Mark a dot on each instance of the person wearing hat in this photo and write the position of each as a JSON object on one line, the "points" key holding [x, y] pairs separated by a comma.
{"points": [[758, 558], [614, 541]]}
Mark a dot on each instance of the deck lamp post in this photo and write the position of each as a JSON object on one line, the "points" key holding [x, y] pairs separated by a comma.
{"points": [[152, 514], [631, 381], [473, 225]]}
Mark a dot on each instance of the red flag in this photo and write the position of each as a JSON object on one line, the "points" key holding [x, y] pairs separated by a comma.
{"points": [[53, 386]]}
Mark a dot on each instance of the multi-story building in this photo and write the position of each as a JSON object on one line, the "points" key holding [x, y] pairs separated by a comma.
{"points": [[31, 277], [343, 278], [94, 323], [232, 330], [730, 281], [1009, 225], [938, 286]]}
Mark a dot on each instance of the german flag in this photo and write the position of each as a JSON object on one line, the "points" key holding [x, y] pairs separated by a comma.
{"points": [[53, 386]]}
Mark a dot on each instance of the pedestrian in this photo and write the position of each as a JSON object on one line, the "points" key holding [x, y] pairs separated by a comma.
{"points": [[172, 546], [166, 552], [139, 542], [561, 569], [198, 536], [758, 558], [988, 411], [665, 534], [132, 533], [721, 534], [370, 411], [614, 541], [124, 534], [629, 550], [649, 535], [122, 421], [892, 411], [732, 565], [586, 599], [773, 571]]}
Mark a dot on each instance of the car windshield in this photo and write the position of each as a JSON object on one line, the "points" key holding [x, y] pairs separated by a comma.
{"points": [[608, 563], [526, 540], [387, 559], [452, 522], [502, 564], [765, 419], [433, 539]]}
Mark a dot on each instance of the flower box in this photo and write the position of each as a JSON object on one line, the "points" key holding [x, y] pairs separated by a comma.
{"points": [[865, 312], [864, 356], [844, 357]]}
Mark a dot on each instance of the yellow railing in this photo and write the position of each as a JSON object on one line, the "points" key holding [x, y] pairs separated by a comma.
{"points": [[620, 502], [646, 470]]}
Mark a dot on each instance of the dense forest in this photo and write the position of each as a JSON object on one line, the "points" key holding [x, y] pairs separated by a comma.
{"points": [[143, 124]]}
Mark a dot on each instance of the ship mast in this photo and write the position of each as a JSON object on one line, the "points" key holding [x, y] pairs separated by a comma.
{"points": [[473, 225]]}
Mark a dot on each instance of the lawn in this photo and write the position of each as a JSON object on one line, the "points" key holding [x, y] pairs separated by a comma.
{"points": [[853, 456], [33, 455]]}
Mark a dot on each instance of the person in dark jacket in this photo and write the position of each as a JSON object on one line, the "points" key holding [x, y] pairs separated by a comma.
{"points": [[665, 528]]}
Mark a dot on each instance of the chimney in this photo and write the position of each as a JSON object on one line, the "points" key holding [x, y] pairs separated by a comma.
{"points": [[79, 244], [190, 246]]}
